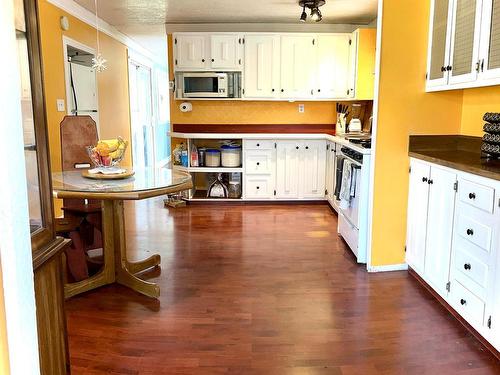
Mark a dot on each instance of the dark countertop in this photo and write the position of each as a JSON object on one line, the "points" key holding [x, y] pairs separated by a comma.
{"points": [[454, 151]]}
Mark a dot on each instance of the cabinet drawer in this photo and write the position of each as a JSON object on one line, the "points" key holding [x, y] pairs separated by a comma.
{"points": [[256, 144], [349, 233], [259, 187], [471, 267], [479, 196], [467, 304], [259, 162], [474, 231]]}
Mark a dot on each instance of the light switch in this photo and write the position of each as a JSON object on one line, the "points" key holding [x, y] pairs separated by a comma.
{"points": [[301, 108], [60, 105]]}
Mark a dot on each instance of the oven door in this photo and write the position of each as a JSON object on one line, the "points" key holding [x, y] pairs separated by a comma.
{"points": [[205, 85]]}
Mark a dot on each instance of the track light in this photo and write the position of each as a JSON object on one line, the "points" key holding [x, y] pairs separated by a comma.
{"points": [[313, 5]]}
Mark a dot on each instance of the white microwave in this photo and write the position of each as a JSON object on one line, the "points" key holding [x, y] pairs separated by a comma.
{"points": [[209, 85]]}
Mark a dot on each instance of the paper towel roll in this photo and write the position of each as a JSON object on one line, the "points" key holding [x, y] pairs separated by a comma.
{"points": [[186, 107]]}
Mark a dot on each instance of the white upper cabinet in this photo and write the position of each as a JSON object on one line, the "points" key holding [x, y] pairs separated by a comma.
{"points": [[190, 51], [262, 66], [464, 50], [490, 40], [224, 50], [298, 66], [333, 63]]}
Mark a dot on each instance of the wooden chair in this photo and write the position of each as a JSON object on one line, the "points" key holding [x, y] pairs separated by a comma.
{"points": [[82, 218]]}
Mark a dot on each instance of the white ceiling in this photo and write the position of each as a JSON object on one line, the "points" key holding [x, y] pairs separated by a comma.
{"points": [[144, 20]]}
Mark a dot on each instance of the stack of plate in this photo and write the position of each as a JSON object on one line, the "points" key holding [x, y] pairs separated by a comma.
{"points": [[491, 138]]}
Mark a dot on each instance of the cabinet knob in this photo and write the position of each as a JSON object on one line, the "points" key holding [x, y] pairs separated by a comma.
{"points": [[258, 163], [424, 179], [202, 60], [297, 147], [319, 90], [449, 68], [282, 90], [443, 69], [463, 302], [258, 187], [472, 196], [272, 90], [467, 266], [430, 182], [307, 147], [258, 145], [470, 232], [213, 60]]}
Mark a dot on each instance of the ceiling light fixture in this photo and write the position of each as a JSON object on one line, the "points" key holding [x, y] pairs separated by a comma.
{"points": [[98, 62], [313, 5]]}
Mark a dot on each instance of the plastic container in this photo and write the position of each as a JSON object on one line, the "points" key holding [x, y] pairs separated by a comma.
{"points": [[212, 157], [234, 190], [231, 156], [201, 156]]}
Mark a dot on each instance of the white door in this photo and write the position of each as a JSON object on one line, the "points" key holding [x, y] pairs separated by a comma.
{"points": [[141, 112], [418, 199], [83, 94], [464, 53], [224, 51], [313, 169], [490, 40], [191, 51], [298, 66], [333, 66], [439, 228], [287, 169], [438, 54], [262, 66]]}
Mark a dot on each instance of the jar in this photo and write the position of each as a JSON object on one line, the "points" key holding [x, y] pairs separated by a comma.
{"points": [[212, 157], [231, 156], [234, 189]]}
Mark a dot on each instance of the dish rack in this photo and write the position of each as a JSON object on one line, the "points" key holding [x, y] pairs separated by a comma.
{"points": [[491, 139]]}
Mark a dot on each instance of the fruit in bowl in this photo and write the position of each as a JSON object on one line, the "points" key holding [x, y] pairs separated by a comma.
{"points": [[108, 152]]}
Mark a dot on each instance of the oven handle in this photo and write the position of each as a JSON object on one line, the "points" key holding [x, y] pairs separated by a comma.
{"points": [[357, 164]]}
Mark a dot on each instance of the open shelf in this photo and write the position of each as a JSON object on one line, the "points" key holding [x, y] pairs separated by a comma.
{"points": [[209, 169], [201, 195]]}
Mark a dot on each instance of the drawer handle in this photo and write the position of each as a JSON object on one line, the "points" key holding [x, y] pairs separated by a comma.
{"points": [[470, 232], [463, 302], [424, 179], [297, 147], [258, 163], [307, 147], [467, 266], [258, 144], [258, 187], [472, 196]]}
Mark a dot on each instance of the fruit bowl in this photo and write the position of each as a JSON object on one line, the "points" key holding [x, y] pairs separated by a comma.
{"points": [[107, 153]]}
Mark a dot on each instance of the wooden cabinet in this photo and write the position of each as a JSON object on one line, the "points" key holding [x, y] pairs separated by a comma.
{"points": [[464, 44], [46, 247], [262, 66], [453, 241], [298, 66], [333, 66]]}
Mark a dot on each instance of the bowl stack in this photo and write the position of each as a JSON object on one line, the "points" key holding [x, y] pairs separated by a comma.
{"points": [[491, 138]]}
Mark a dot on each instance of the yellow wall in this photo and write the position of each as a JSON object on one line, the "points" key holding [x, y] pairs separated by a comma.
{"points": [[476, 103], [114, 114], [367, 44], [404, 109], [265, 112], [4, 356]]}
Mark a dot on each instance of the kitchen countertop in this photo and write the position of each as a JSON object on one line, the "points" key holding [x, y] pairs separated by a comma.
{"points": [[454, 151]]}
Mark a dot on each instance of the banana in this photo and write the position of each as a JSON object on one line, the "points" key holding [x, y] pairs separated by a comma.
{"points": [[112, 144]]}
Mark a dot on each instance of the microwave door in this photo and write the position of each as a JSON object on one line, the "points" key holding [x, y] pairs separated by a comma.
{"points": [[201, 87]]}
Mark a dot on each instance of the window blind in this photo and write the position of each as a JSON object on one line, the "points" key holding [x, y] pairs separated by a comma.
{"points": [[465, 20], [494, 52], [438, 47]]}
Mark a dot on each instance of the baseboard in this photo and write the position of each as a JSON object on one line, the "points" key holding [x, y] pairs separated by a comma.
{"points": [[455, 314], [388, 268]]}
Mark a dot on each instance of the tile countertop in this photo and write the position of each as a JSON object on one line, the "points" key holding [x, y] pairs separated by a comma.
{"points": [[272, 136], [454, 151]]}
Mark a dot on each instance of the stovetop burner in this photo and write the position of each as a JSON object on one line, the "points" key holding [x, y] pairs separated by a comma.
{"points": [[365, 143]]}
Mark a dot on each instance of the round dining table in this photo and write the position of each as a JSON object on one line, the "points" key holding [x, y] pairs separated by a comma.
{"points": [[145, 183]]}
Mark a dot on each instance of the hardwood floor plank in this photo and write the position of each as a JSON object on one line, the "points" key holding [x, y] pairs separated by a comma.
{"points": [[267, 289]]}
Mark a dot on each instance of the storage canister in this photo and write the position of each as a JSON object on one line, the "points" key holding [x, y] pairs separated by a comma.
{"points": [[212, 157], [231, 156]]}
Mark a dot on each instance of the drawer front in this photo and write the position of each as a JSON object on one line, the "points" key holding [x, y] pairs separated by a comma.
{"points": [[349, 232], [471, 267], [467, 304], [259, 162], [259, 187], [477, 195], [257, 144], [472, 230]]}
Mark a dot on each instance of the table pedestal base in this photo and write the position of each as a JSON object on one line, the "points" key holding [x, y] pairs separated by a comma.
{"points": [[116, 267]]}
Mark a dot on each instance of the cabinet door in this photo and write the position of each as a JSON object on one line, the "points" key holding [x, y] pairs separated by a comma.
{"points": [[490, 40], [439, 228], [313, 169], [333, 76], [464, 55], [353, 64], [224, 51], [418, 199], [262, 66], [190, 51], [439, 42], [287, 169], [330, 170], [298, 66]]}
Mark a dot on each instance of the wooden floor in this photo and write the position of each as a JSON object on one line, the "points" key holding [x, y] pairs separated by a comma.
{"points": [[262, 290]]}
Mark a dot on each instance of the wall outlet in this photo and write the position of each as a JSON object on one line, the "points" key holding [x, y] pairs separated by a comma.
{"points": [[60, 105], [301, 108]]}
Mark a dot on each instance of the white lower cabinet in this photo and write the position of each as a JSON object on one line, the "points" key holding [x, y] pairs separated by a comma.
{"points": [[284, 169], [453, 241]]}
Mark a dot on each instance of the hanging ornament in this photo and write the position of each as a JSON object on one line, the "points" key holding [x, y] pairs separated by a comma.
{"points": [[98, 62]]}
